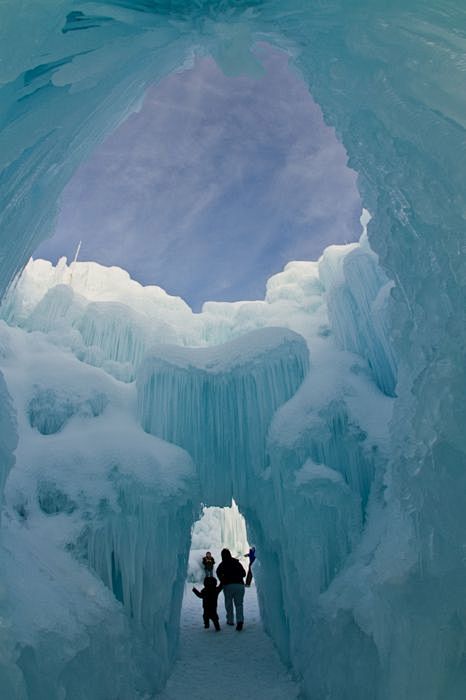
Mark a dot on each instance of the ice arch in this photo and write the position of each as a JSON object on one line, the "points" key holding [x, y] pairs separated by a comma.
{"points": [[218, 403], [388, 79]]}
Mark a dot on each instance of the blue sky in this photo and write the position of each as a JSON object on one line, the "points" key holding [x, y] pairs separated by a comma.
{"points": [[213, 185]]}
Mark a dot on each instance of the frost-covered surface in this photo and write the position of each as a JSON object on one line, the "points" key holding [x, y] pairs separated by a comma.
{"points": [[104, 317], [218, 409], [283, 419], [87, 531], [391, 622], [357, 291]]}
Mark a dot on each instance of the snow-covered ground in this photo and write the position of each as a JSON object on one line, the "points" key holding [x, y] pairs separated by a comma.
{"points": [[228, 664]]}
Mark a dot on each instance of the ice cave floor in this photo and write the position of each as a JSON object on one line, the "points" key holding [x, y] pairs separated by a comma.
{"points": [[228, 664]]}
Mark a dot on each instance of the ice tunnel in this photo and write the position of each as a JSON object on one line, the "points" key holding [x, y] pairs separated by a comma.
{"points": [[352, 477]]}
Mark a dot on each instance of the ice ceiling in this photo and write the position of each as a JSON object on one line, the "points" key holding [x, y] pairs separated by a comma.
{"points": [[360, 524]]}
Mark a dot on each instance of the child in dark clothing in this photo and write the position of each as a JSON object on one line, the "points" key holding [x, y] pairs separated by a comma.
{"points": [[209, 595]]}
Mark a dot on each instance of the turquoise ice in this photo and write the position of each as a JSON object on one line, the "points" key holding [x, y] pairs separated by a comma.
{"points": [[359, 484]]}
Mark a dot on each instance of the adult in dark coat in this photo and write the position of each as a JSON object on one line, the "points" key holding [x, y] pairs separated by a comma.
{"points": [[231, 576]]}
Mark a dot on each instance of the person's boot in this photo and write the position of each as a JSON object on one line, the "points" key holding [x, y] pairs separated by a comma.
{"points": [[239, 626], [217, 626], [230, 623]]}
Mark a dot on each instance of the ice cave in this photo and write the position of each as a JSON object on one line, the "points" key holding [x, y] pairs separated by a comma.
{"points": [[329, 415]]}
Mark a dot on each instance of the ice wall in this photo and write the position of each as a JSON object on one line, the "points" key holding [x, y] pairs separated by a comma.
{"points": [[10, 675], [387, 77], [218, 402], [107, 319], [8, 434], [319, 464], [313, 462], [358, 296], [88, 535], [400, 69]]}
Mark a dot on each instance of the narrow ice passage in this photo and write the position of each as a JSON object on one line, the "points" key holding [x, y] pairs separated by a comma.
{"points": [[227, 664]]}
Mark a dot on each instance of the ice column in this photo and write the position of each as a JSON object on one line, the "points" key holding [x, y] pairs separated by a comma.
{"points": [[142, 558], [357, 292]]}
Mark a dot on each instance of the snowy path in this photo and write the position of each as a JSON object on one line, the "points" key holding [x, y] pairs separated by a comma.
{"points": [[230, 665]]}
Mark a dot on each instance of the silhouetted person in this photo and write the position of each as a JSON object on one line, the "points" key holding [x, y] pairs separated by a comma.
{"points": [[209, 595], [208, 563], [251, 555], [231, 574]]}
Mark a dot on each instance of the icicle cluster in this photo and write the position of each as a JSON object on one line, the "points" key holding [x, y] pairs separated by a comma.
{"points": [[217, 403]]}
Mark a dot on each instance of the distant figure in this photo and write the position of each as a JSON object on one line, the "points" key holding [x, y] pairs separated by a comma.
{"points": [[208, 563], [231, 575], [252, 558], [209, 595]]}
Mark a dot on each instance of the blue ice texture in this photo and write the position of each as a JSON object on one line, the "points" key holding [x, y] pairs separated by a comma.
{"points": [[332, 411]]}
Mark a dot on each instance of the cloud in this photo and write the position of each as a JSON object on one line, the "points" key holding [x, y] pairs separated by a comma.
{"points": [[214, 185]]}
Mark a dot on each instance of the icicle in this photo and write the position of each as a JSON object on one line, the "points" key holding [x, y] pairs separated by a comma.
{"points": [[217, 403]]}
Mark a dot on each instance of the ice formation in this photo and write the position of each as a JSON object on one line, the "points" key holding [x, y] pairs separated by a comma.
{"points": [[359, 519], [217, 528], [265, 399], [218, 402], [90, 503]]}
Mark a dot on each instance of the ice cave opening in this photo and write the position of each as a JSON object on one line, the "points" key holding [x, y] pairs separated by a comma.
{"points": [[211, 656], [331, 411], [216, 528], [212, 185]]}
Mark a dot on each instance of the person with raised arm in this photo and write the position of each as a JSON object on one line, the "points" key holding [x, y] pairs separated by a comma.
{"points": [[209, 596]]}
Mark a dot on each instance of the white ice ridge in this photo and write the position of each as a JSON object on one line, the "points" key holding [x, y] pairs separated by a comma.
{"points": [[240, 353], [218, 402], [111, 321]]}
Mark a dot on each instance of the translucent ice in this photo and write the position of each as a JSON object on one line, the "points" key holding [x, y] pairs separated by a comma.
{"points": [[357, 296], [89, 537], [371, 604], [217, 402]]}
